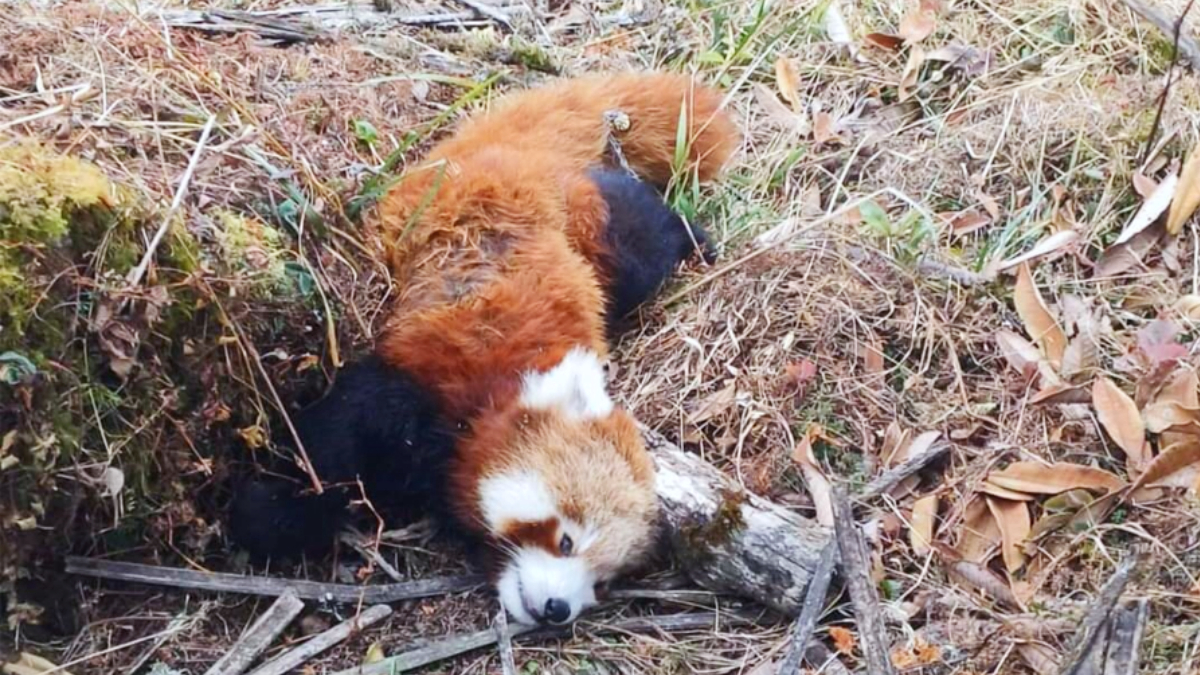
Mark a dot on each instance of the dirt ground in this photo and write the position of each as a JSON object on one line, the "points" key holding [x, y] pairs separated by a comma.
{"points": [[969, 221]]}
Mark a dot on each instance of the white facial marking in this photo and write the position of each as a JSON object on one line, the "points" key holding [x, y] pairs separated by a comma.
{"points": [[577, 386], [518, 496], [533, 577]]}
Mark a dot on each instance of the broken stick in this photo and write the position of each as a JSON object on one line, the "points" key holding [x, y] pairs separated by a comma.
{"points": [[258, 636], [460, 644], [864, 598], [236, 583], [294, 658], [814, 602], [1088, 642]]}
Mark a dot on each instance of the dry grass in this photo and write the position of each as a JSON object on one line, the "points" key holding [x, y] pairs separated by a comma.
{"points": [[1041, 128]]}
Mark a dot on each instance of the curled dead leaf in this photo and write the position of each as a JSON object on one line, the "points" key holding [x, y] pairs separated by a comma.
{"points": [[892, 43], [1019, 352], [917, 25], [819, 487], [1187, 199], [1055, 243], [979, 532], [978, 576], [912, 70], [1040, 324], [1164, 416], [1151, 209], [714, 404], [1176, 466], [843, 639], [779, 113], [924, 514], [994, 490], [1013, 520], [1041, 659], [1048, 479], [788, 82], [1119, 416], [1188, 306]]}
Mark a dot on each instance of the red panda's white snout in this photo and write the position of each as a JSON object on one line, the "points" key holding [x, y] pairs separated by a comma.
{"points": [[570, 502]]}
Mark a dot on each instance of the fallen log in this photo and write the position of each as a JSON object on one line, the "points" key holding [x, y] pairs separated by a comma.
{"points": [[729, 540]]}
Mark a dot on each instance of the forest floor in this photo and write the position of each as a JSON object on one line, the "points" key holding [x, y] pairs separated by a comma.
{"points": [[965, 220]]}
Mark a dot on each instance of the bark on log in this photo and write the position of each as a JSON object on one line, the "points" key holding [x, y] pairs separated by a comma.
{"points": [[729, 540]]}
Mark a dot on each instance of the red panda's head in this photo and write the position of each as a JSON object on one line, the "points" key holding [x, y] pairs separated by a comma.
{"points": [[560, 483]]}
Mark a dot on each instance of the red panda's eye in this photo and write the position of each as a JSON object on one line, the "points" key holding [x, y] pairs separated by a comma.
{"points": [[565, 545]]}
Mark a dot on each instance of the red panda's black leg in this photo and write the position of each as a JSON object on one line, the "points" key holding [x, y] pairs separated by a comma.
{"points": [[644, 242], [374, 426]]}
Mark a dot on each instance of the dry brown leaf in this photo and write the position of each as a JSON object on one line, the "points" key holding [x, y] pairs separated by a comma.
{"points": [[979, 532], [990, 205], [978, 576], [1014, 522], [912, 70], [780, 113], [1164, 416], [837, 29], [1166, 469], [1019, 352], [818, 485], [872, 356], [1055, 243], [1154, 206], [1144, 185], [1121, 258], [917, 25], [1039, 322], [1183, 387], [1048, 479], [823, 127], [788, 82], [1119, 416], [1187, 198], [924, 513], [892, 43], [967, 222], [1062, 393], [1188, 306], [1004, 493], [915, 448], [843, 639], [1082, 356], [714, 404], [1040, 658]]}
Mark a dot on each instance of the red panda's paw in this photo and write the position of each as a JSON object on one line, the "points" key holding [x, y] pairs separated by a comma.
{"points": [[563, 488]]}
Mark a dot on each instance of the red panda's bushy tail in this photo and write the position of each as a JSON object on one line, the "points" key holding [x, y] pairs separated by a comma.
{"points": [[567, 119]]}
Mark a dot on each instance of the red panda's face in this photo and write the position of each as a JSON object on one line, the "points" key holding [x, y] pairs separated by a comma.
{"points": [[569, 499]]}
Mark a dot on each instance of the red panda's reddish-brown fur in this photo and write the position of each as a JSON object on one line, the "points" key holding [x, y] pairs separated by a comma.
{"points": [[518, 173]]}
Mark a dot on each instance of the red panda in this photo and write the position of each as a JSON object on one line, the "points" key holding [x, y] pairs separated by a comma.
{"points": [[516, 248]]}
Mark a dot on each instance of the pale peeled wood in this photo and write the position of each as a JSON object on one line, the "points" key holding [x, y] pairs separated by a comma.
{"points": [[767, 553]]}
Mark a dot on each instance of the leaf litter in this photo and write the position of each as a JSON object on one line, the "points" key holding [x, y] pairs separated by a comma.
{"points": [[990, 165]]}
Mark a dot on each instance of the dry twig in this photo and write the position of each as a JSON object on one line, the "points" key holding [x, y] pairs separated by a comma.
{"points": [[1088, 645], [235, 583], [814, 604], [1125, 638], [255, 640], [292, 659], [460, 644], [856, 572]]}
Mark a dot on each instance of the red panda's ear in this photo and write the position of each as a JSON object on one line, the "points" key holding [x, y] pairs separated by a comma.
{"points": [[576, 387]]}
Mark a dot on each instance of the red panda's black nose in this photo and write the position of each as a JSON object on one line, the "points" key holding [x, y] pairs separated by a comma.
{"points": [[557, 610]]}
